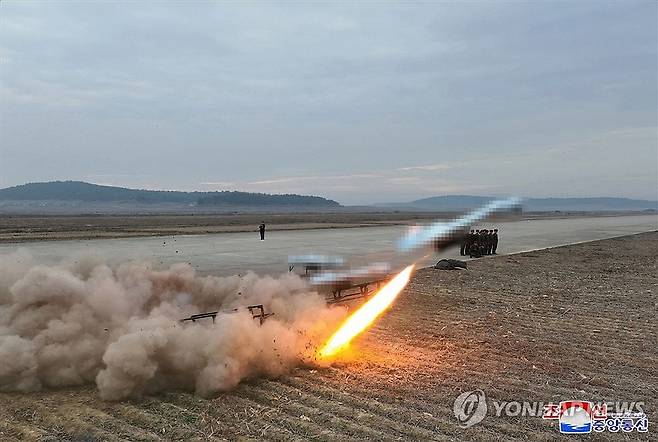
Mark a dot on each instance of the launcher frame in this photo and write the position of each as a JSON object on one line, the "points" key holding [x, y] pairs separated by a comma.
{"points": [[257, 312], [349, 292]]}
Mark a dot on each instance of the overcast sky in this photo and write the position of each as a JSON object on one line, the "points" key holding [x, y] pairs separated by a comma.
{"points": [[370, 103]]}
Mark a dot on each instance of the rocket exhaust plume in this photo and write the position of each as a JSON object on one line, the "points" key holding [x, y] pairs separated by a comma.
{"points": [[366, 314]]}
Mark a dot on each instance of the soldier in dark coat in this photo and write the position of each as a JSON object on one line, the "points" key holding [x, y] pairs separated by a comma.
{"points": [[482, 241], [261, 229], [470, 239], [494, 242], [474, 251]]}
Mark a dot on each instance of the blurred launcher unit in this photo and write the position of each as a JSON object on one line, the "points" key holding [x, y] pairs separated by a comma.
{"points": [[338, 282], [257, 312]]}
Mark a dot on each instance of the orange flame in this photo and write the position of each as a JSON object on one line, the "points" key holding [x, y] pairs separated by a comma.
{"points": [[366, 314]]}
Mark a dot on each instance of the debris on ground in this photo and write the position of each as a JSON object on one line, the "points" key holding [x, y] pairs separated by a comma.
{"points": [[450, 264]]}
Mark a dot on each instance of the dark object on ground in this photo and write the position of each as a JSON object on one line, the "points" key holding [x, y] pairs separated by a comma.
{"points": [[475, 251], [450, 264]]}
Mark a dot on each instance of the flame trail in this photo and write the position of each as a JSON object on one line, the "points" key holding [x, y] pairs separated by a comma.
{"points": [[366, 314]]}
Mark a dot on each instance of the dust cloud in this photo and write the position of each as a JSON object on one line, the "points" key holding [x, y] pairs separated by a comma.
{"points": [[84, 321]]}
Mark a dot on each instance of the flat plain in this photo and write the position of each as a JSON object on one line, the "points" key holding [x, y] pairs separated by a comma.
{"points": [[572, 322], [21, 228]]}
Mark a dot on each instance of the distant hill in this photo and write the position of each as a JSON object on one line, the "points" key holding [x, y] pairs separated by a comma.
{"points": [[80, 194], [263, 199], [81, 191], [451, 203]]}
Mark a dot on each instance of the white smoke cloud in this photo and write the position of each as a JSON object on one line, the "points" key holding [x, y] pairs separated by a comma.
{"points": [[84, 321]]}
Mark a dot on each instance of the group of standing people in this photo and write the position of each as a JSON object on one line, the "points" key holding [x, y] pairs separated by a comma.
{"points": [[479, 243]]}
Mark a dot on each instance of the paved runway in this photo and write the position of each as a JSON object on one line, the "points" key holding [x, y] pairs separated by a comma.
{"points": [[234, 253]]}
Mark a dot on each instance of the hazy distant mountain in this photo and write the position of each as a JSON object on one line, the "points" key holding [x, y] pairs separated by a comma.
{"points": [[94, 194], [589, 204], [463, 202]]}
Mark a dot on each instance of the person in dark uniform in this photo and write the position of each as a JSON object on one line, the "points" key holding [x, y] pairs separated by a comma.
{"points": [[474, 249], [470, 239], [489, 242], [494, 242], [482, 242], [261, 229], [463, 245]]}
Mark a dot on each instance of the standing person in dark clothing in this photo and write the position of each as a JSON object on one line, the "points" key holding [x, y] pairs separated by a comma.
{"points": [[489, 242], [261, 229], [463, 245], [494, 242], [474, 248], [470, 239], [475, 244], [482, 242]]}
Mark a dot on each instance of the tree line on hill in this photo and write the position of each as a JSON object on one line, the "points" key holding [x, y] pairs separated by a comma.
{"points": [[81, 191]]}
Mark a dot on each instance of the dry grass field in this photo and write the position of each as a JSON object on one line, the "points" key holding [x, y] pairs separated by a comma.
{"points": [[574, 322]]}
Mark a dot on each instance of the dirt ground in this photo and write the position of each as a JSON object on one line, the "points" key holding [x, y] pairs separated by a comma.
{"points": [[20, 228], [573, 322]]}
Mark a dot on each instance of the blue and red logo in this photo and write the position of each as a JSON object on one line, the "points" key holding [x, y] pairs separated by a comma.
{"points": [[573, 416], [577, 417]]}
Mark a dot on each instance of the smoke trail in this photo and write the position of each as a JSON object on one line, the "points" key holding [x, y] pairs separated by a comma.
{"points": [[84, 321]]}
